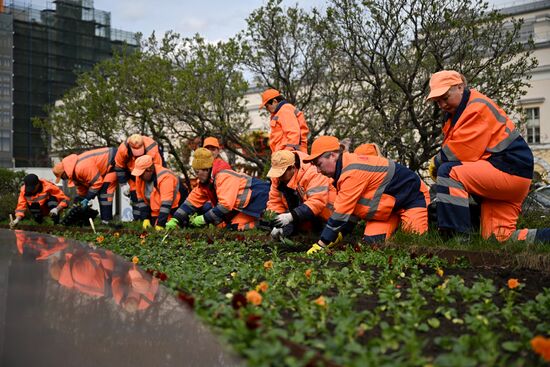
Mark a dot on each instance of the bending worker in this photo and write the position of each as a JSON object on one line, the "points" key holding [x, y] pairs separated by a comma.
{"points": [[237, 199], [299, 194], [157, 190], [483, 154], [42, 198], [373, 188], [289, 129], [128, 151], [92, 173]]}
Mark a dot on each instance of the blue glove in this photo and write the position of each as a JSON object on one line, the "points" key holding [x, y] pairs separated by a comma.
{"points": [[84, 203]]}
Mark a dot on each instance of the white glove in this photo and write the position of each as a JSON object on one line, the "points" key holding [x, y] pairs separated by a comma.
{"points": [[54, 212], [283, 220], [276, 233], [14, 222], [125, 189]]}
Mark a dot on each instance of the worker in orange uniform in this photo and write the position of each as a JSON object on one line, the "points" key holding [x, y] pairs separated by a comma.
{"points": [[42, 198], [238, 199], [158, 192], [93, 174], [289, 130], [484, 155], [376, 189], [299, 194], [213, 145], [128, 151], [132, 288]]}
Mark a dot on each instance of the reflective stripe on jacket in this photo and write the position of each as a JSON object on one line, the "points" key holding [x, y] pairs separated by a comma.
{"points": [[371, 188], [87, 170], [125, 161], [315, 192], [481, 130], [289, 129], [48, 193], [164, 198]]}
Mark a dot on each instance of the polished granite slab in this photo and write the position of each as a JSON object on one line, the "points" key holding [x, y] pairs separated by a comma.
{"points": [[63, 303]]}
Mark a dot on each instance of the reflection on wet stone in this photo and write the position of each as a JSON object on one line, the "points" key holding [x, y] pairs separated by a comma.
{"points": [[65, 304]]}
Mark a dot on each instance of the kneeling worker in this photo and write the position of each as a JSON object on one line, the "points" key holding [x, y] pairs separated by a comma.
{"points": [[157, 190], [238, 199], [372, 188], [299, 193], [42, 198]]}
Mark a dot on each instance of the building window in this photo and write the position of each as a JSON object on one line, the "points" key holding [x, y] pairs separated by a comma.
{"points": [[5, 141], [533, 125]]}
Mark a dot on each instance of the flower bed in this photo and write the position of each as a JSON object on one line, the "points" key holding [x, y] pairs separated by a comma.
{"points": [[357, 306]]}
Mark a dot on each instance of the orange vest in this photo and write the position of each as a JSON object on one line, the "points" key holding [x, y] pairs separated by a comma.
{"points": [[164, 197], [125, 161]]}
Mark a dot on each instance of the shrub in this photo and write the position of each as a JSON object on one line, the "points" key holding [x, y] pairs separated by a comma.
{"points": [[10, 184]]}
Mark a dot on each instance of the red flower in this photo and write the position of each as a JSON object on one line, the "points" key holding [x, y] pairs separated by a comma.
{"points": [[357, 248], [188, 299], [162, 276], [253, 321], [238, 301], [541, 346]]}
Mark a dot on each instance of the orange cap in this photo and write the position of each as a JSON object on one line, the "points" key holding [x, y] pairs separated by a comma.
{"points": [[280, 161], [368, 149], [268, 95], [442, 81], [58, 170], [135, 142], [142, 163], [322, 145], [211, 142]]}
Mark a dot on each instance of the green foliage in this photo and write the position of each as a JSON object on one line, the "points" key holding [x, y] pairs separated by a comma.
{"points": [[10, 184], [378, 307]]}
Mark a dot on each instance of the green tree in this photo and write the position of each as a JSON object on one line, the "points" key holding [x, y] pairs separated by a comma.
{"points": [[391, 48], [172, 90], [285, 52]]}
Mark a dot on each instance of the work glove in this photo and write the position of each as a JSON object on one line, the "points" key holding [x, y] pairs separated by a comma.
{"points": [[84, 203], [198, 221], [146, 224], [159, 228], [320, 245], [172, 224], [14, 222], [276, 233], [54, 212], [283, 220], [125, 189], [432, 169]]}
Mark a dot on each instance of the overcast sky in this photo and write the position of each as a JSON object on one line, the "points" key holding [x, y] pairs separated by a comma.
{"points": [[213, 19]]}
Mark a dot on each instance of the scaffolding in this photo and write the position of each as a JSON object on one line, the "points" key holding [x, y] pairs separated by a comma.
{"points": [[51, 46]]}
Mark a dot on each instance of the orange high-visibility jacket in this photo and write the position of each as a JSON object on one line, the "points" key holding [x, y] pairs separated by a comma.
{"points": [[164, 197], [289, 129], [483, 131], [49, 192], [87, 170], [125, 161], [361, 188], [314, 189], [41, 247]]}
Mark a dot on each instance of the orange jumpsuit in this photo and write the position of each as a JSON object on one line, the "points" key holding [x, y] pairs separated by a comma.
{"points": [[381, 192], [163, 199], [238, 198], [289, 129], [135, 290], [484, 155], [40, 204], [93, 173], [125, 162]]}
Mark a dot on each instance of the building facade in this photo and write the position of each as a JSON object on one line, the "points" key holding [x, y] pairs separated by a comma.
{"points": [[41, 53]]}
